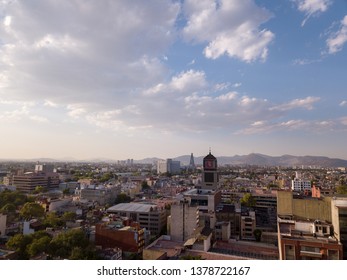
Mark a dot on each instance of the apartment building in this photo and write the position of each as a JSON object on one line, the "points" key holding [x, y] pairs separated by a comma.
{"points": [[130, 238], [307, 240]]}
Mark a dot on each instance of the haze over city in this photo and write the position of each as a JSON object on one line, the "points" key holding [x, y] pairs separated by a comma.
{"points": [[136, 79]]}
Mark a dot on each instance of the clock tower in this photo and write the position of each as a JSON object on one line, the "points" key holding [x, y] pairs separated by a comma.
{"points": [[210, 175]]}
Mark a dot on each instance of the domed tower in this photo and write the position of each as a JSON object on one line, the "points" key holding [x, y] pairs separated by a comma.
{"points": [[210, 175]]}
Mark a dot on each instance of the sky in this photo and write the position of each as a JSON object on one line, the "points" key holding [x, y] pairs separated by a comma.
{"points": [[162, 78]]}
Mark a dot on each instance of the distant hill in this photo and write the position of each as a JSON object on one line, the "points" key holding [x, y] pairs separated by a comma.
{"points": [[265, 160], [251, 159]]}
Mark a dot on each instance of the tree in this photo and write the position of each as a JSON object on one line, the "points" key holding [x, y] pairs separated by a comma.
{"points": [[145, 185], [248, 200], [52, 220], [32, 210], [342, 189], [122, 198], [71, 244], [19, 243]]}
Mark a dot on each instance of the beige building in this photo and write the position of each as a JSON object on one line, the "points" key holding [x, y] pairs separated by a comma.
{"points": [[184, 220], [300, 207]]}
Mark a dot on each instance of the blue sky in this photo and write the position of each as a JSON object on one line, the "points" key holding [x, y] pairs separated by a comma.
{"points": [[135, 79]]}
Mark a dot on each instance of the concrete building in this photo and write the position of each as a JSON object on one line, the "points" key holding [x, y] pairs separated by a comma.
{"points": [[307, 240], [149, 216], [28, 181], [129, 238], [339, 221], [248, 225], [299, 184], [168, 166], [184, 220], [330, 212], [98, 193]]}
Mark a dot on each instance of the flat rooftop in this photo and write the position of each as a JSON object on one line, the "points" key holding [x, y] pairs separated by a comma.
{"points": [[132, 207]]}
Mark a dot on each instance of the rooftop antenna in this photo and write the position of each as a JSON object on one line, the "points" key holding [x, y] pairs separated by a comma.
{"points": [[210, 149]]}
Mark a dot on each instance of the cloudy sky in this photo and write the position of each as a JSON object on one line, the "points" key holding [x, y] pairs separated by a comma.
{"points": [[134, 79]]}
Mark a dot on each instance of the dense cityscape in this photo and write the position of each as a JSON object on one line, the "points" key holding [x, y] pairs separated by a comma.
{"points": [[171, 210]]}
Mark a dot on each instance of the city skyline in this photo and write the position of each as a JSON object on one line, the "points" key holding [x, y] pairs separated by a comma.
{"points": [[137, 79]]}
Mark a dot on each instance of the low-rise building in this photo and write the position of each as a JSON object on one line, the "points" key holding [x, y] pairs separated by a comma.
{"points": [[130, 238], [149, 216], [307, 240]]}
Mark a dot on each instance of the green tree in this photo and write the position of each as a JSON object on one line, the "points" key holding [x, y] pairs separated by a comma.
{"points": [[38, 246], [52, 220], [32, 210], [69, 216], [40, 189], [248, 200], [342, 189], [8, 208], [64, 244], [122, 198], [19, 243], [144, 185]]}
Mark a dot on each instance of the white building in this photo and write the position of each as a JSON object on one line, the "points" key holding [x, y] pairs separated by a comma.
{"points": [[299, 184]]}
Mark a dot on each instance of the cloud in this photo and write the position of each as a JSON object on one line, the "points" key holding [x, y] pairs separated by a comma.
{"points": [[69, 51], [336, 41], [312, 7], [343, 103], [270, 126], [306, 103], [228, 29]]}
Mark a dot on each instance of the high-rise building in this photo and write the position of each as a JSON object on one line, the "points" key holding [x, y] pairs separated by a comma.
{"points": [[191, 163], [168, 166], [184, 220]]}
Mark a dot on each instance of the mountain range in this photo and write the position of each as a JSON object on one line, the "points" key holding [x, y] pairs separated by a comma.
{"points": [[263, 160], [250, 159]]}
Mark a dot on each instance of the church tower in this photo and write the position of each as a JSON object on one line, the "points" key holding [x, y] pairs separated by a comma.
{"points": [[210, 174]]}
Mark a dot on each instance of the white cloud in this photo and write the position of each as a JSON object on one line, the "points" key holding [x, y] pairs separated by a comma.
{"points": [[270, 126], [38, 119], [306, 103], [312, 7], [188, 81], [343, 103], [95, 51], [228, 29], [337, 40]]}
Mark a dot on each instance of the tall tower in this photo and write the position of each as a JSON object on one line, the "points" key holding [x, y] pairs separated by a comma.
{"points": [[191, 162], [210, 174]]}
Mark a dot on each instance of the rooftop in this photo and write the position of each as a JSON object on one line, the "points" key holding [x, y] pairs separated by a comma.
{"points": [[132, 207]]}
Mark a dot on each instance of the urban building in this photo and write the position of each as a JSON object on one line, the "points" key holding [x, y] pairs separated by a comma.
{"points": [[319, 223], [168, 166], [149, 216], [184, 220], [339, 221], [129, 238], [299, 184], [248, 225], [307, 240], [30, 180]]}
